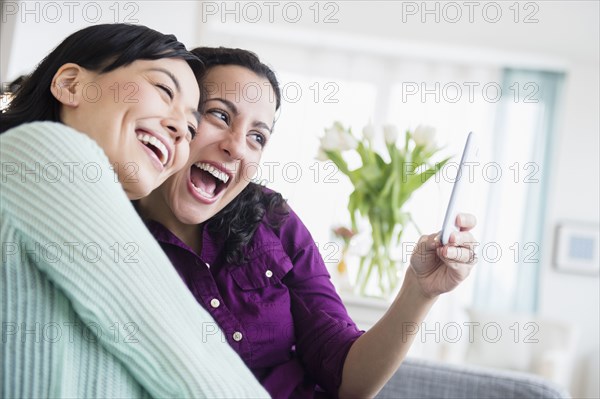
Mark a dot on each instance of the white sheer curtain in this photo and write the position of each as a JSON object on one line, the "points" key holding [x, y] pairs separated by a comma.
{"points": [[523, 137]]}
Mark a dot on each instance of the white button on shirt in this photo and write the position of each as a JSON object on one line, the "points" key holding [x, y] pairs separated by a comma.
{"points": [[215, 303], [237, 336], [269, 273]]}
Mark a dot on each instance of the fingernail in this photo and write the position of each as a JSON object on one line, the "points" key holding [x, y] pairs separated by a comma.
{"points": [[451, 252]]}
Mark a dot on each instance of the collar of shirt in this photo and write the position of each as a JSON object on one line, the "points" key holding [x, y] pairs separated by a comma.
{"points": [[211, 243]]}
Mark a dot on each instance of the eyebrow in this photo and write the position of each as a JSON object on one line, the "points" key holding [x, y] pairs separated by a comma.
{"points": [[169, 74], [235, 111], [194, 112]]}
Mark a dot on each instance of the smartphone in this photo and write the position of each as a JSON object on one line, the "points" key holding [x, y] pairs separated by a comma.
{"points": [[461, 180]]}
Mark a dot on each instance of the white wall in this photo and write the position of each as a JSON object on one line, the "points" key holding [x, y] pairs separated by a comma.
{"points": [[574, 196], [40, 26]]}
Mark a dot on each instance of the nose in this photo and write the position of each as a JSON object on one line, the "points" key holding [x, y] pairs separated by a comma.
{"points": [[234, 144], [176, 126]]}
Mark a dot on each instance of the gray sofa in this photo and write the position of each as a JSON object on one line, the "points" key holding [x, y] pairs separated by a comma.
{"points": [[417, 379]]}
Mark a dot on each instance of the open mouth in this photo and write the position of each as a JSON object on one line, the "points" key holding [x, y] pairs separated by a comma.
{"points": [[156, 146], [208, 180]]}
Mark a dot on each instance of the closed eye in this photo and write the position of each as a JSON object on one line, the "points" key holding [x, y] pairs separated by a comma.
{"points": [[193, 131], [166, 89]]}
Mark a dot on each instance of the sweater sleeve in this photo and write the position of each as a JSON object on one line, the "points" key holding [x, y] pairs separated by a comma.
{"points": [[76, 223]]}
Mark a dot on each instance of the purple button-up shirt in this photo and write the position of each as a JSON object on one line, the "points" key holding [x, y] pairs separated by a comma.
{"points": [[279, 311]]}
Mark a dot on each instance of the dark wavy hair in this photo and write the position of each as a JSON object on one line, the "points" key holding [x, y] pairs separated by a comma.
{"points": [[99, 48], [238, 221]]}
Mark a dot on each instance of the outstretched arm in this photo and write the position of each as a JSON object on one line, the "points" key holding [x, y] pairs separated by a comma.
{"points": [[434, 269]]}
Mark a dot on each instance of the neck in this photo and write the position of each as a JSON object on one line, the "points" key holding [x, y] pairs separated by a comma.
{"points": [[190, 234]]}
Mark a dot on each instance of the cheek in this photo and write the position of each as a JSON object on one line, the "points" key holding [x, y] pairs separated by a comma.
{"points": [[207, 134], [252, 167], [182, 155], [138, 93], [171, 191], [240, 186], [141, 100]]}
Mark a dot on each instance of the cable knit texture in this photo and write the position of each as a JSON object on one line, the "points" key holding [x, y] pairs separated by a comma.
{"points": [[91, 306]]}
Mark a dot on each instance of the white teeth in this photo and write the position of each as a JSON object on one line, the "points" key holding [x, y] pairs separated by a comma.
{"points": [[224, 177], [148, 139], [204, 193]]}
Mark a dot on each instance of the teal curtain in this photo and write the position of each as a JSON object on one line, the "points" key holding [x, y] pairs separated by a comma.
{"points": [[512, 284]]}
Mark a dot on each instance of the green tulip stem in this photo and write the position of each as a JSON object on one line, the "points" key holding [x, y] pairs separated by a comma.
{"points": [[381, 189]]}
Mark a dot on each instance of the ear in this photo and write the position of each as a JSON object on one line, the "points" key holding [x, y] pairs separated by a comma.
{"points": [[65, 86]]}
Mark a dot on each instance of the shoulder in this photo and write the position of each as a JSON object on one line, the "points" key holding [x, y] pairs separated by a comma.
{"points": [[291, 233], [294, 234], [54, 137], [53, 160], [268, 191], [47, 127]]}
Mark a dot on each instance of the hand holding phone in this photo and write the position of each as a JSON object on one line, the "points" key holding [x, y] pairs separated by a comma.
{"points": [[451, 212]]}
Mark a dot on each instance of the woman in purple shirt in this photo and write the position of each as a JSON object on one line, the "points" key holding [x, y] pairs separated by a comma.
{"points": [[251, 262]]}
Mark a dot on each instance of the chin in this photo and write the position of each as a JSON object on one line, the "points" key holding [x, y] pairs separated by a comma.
{"points": [[195, 215], [137, 194], [139, 189], [199, 219], [134, 195]]}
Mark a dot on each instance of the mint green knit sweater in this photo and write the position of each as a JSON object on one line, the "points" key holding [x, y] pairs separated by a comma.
{"points": [[91, 306]]}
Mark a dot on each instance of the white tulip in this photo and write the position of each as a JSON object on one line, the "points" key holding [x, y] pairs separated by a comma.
{"points": [[348, 142], [369, 132], [425, 136], [338, 139], [390, 134], [331, 140], [321, 156]]}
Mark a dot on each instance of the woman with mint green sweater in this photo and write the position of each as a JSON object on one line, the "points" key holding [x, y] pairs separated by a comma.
{"points": [[91, 306]]}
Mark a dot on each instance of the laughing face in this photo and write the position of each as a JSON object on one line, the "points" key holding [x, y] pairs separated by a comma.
{"points": [[236, 125], [142, 115]]}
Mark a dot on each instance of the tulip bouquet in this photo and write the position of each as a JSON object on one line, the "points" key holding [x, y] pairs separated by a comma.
{"points": [[382, 185]]}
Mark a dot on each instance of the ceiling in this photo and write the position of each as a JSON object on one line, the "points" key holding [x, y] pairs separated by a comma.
{"points": [[565, 29]]}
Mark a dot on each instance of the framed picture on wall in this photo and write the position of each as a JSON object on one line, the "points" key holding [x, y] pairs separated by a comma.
{"points": [[576, 248]]}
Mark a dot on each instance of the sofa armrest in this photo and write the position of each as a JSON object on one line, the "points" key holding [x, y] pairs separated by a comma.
{"points": [[418, 378], [554, 365]]}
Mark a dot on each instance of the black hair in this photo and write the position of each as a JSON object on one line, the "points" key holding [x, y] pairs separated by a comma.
{"points": [[215, 56], [238, 221], [99, 48]]}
